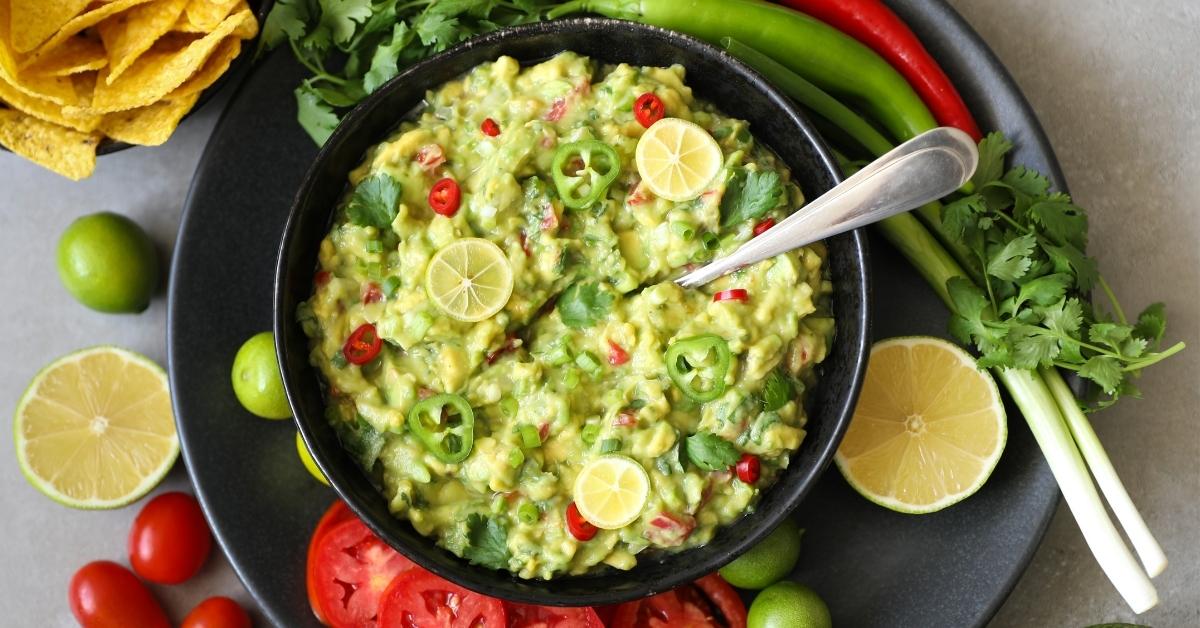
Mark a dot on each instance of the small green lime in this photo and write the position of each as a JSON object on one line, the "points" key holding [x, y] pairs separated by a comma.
{"points": [[788, 605], [256, 378], [108, 263], [307, 459], [768, 562]]}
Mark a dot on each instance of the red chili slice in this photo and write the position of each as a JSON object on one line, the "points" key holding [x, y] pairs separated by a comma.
{"points": [[648, 109], [763, 225], [420, 598], [363, 345], [352, 569], [445, 196], [748, 468], [735, 294], [617, 355], [520, 615], [579, 527], [490, 128], [510, 343]]}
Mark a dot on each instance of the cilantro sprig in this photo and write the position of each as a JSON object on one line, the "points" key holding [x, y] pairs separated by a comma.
{"points": [[1029, 247], [351, 47], [487, 542]]}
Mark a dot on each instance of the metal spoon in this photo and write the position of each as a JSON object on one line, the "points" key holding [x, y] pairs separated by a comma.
{"points": [[925, 168]]}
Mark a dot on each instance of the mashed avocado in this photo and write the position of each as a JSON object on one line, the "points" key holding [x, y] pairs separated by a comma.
{"points": [[575, 364]]}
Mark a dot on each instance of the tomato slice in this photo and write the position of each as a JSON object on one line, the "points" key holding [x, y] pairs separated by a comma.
{"points": [[529, 616], [337, 512], [706, 603], [418, 598], [727, 601], [351, 571]]}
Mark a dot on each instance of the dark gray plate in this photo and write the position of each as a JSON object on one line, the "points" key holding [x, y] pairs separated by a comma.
{"points": [[873, 567]]}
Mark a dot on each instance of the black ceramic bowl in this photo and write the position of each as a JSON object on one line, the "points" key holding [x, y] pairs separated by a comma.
{"points": [[714, 76]]}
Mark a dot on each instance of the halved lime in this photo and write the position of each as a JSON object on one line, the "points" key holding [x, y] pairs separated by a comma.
{"points": [[610, 491], [677, 159], [469, 279], [95, 428], [307, 459], [928, 430]]}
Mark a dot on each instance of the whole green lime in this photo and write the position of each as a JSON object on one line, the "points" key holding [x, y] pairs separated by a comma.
{"points": [[788, 605], [108, 263], [256, 378], [768, 562]]}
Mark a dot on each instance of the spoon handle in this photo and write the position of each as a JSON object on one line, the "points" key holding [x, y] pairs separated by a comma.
{"points": [[925, 168]]}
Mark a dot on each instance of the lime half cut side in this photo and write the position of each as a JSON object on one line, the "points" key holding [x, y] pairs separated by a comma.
{"points": [[610, 491], [95, 428], [469, 279], [677, 159]]}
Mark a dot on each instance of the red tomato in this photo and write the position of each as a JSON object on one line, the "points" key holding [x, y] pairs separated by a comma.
{"points": [[706, 603], [529, 616], [727, 601], [169, 541], [420, 598], [490, 128], [104, 594], [748, 468], [217, 612], [335, 514], [617, 355], [352, 569]]}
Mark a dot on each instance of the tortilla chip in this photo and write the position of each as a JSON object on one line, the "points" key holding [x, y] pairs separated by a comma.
{"points": [[182, 25], [32, 21], [57, 89], [170, 62], [77, 54], [207, 14], [148, 126], [218, 62], [8, 57], [129, 34], [45, 109], [78, 23], [65, 151]]}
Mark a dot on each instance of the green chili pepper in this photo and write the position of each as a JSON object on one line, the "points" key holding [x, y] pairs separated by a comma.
{"points": [[445, 435], [530, 437], [583, 171], [684, 365]]}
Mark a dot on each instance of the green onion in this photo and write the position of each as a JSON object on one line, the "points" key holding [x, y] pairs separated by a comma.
{"points": [[374, 246], [685, 231], [508, 407], [710, 241], [375, 270], [390, 285], [528, 514], [559, 354], [590, 432], [609, 445], [529, 436], [571, 379], [516, 457], [498, 504], [588, 362], [417, 324]]}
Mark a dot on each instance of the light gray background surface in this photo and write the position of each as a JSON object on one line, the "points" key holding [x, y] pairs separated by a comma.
{"points": [[1117, 86]]}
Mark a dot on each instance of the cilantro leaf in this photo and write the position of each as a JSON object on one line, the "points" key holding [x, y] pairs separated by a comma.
{"points": [[385, 61], [1032, 349], [1067, 258], [776, 392], [583, 304], [992, 150], [487, 542], [437, 30], [1152, 323], [288, 20], [966, 322], [361, 440], [1026, 181], [1062, 221], [1012, 261], [342, 17], [749, 194], [1104, 371], [1044, 290], [1064, 317], [316, 117], [711, 452], [374, 202]]}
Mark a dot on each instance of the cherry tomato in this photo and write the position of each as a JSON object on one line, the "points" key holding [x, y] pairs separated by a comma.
{"points": [[372, 293], [420, 598], [217, 612], [706, 603], [322, 277], [490, 128], [335, 514], [352, 569], [363, 345], [648, 109], [747, 468], [763, 225], [617, 355], [579, 527], [552, 616], [445, 196], [735, 294], [104, 594], [169, 541]]}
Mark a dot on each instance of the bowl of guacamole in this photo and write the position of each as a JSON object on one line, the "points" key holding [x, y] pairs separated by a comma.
{"points": [[479, 330]]}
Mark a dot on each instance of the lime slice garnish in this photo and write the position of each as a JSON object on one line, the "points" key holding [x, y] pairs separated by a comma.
{"points": [[469, 279], [928, 430], [95, 428], [610, 491], [677, 159]]}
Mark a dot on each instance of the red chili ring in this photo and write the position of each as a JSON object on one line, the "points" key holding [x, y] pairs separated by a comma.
{"points": [[762, 226], [579, 527], [445, 197], [490, 128], [748, 468], [734, 294], [648, 109], [363, 345]]}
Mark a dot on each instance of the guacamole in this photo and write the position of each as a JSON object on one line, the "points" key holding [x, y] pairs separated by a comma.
{"points": [[476, 431]]}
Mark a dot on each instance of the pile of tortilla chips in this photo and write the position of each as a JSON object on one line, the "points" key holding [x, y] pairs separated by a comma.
{"points": [[73, 72]]}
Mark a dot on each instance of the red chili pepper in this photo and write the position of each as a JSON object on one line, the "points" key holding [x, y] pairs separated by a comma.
{"points": [[490, 128], [579, 527], [617, 355], [363, 345], [445, 197], [322, 277], [648, 109], [878, 28], [525, 243], [372, 293], [626, 418], [763, 225], [735, 294], [510, 343], [747, 468]]}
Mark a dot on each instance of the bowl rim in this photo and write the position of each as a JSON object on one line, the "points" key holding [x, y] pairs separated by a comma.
{"points": [[534, 591]]}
